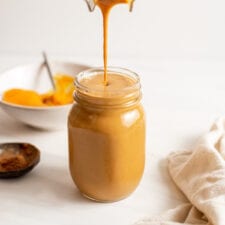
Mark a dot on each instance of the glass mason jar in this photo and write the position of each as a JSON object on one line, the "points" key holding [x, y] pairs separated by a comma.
{"points": [[106, 131]]}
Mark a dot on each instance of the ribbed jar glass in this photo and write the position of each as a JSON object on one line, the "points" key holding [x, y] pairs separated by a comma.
{"points": [[106, 130]]}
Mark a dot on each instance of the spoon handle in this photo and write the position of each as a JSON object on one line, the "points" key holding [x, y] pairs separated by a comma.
{"points": [[50, 74]]}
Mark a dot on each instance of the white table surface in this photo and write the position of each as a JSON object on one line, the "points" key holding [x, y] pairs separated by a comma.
{"points": [[181, 99]]}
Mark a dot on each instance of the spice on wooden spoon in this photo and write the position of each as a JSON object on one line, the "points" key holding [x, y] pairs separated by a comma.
{"points": [[17, 159]]}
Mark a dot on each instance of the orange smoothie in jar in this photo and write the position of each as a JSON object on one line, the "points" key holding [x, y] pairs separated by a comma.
{"points": [[107, 135], [106, 128]]}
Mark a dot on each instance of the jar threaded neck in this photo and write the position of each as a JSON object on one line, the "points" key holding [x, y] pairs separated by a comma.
{"points": [[123, 89]]}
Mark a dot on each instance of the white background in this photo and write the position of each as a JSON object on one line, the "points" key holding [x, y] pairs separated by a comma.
{"points": [[186, 29], [178, 49]]}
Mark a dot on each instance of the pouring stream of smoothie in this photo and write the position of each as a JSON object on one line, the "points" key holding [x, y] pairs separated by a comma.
{"points": [[105, 7]]}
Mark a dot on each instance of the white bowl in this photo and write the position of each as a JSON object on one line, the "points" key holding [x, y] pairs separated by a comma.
{"points": [[35, 77]]}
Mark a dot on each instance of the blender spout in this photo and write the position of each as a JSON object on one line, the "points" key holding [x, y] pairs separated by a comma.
{"points": [[131, 5], [91, 5]]}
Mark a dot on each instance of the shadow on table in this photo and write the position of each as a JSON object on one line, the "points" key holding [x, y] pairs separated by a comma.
{"points": [[57, 183], [12, 128], [48, 185]]}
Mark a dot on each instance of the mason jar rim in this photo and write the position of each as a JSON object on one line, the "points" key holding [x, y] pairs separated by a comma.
{"points": [[114, 70]]}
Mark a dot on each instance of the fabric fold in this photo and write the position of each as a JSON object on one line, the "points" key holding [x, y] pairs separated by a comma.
{"points": [[200, 175]]}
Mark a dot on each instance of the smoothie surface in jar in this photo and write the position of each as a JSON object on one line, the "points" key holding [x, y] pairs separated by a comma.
{"points": [[115, 84]]}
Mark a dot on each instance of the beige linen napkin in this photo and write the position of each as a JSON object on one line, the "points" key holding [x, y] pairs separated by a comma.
{"points": [[200, 175]]}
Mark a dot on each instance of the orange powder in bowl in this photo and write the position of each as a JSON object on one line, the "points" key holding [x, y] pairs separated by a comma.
{"points": [[61, 96]]}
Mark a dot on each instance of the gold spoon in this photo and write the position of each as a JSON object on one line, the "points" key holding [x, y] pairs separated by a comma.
{"points": [[50, 74]]}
